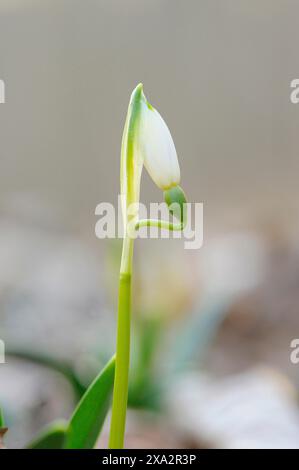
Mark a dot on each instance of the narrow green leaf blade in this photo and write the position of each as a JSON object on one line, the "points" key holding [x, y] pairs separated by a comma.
{"points": [[52, 437], [89, 416], [2, 422], [59, 366]]}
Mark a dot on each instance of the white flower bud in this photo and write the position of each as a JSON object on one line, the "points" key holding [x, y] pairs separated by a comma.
{"points": [[156, 147]]}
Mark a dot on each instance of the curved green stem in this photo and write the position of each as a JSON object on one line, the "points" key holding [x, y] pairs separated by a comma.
{"points": [[122, 362], [130, 171], [164, 224], [120, 393], [131, 168]]}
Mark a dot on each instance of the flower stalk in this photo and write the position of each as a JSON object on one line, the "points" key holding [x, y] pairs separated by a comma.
{"points": [[146, 142]]}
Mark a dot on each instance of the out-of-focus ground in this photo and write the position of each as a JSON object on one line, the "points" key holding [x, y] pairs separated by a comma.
{"points": [[222, 318]]}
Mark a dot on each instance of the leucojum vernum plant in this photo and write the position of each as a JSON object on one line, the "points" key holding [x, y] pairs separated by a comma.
{"points": [[146, 142]]}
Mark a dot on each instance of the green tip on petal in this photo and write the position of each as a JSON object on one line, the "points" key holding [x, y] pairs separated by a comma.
{"points": [[137, 93], [175, 199]]}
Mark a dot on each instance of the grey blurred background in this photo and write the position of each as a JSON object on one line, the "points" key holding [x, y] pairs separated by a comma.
{"points": [[219, 72]]}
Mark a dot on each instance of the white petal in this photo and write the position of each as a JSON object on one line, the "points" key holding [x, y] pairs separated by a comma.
{"points": [[157, 148]]}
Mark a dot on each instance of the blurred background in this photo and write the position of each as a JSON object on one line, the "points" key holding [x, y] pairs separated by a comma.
{"points": [[211, 346]]}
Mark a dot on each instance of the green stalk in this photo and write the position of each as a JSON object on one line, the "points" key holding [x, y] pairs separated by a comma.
{"points": [[130, 184], [120, 393], [131, 168]]}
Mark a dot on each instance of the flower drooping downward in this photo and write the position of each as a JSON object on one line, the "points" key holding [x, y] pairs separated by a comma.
{"points": [[157, 148], [150, 143]]}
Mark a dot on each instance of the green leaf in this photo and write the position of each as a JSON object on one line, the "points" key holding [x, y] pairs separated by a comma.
{"points": [[197, 334], [144, 388], [57, 365], [89, 416], [52, 437], [2, 422]]}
